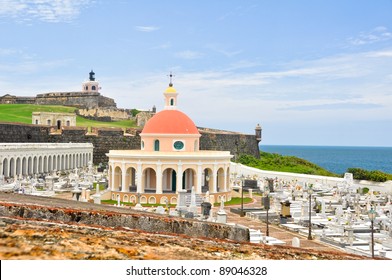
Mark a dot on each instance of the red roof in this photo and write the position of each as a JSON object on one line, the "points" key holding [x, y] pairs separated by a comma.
{"points": [[170, 122]]}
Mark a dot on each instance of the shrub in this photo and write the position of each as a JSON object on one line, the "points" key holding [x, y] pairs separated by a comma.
{"points": [[374, 175]]}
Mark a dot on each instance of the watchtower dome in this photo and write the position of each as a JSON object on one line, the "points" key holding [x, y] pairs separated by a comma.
{"points": [[91, 85]]}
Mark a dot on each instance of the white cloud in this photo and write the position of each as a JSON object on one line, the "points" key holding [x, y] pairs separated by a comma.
{"points": [[332, 106], [8, 52], [188, 54], [147, 28], [43, 10], [223, 51], [385, 53], [378, 34], [163, 46]]}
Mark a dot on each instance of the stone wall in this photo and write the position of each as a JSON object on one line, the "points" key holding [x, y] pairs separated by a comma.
{"points": [[12, 99], [106, 102], [110, 114], [236, 143], [66, 211], [105, 139], [24, 133], [75, 99]]}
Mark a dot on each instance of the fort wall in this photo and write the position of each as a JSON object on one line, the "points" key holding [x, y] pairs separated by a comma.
{"points": [[105, 139], [75, 99]]}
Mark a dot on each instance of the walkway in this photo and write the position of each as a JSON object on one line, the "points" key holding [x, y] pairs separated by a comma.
{"points": [[275, 230]]}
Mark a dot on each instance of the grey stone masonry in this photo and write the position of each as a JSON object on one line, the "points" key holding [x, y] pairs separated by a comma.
{"points": [[105, 139], [75, 99], [68, 211]]}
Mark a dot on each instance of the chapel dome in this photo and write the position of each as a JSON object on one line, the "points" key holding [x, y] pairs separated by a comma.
{"points": [[170, 122]]}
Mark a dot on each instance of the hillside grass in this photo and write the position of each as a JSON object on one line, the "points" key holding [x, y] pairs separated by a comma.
{"points": [[22, 113], [276, 162]]}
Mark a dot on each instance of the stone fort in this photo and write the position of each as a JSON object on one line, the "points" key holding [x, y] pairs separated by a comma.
{"points": [[88, 97]]}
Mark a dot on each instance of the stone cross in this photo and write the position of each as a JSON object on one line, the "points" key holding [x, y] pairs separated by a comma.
{"points": [[323, 207], [138, 198], [222, 205], [207, 197], [193, 206], [339, 213]]}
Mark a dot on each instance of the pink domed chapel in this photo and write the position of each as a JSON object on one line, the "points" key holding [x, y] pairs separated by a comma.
{"points": [[169, 160]]}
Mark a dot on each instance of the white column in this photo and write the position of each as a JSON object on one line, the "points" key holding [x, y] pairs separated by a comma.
{"points": [[199, 177], [112, 176], [159, 178], [139, 174], [148, 178], [214, 177], [225, 179], [179, 176], [13, 171], [123, 174]]}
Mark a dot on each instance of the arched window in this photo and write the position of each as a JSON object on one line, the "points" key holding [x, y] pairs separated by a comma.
{"points": [[172, 102], [156, 145], [86, 87], [36, 121], [93, 88], [48, 122], [68, 123], [142, 145]]}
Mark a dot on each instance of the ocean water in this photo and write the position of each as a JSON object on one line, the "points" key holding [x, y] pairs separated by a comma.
{"points": [[338, 159]]}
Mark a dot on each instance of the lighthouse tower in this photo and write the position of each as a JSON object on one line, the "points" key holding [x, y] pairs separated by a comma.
{"points": [[91, 85]]}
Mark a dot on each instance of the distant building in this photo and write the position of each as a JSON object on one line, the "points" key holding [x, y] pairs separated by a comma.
{"points": [[12, 99], [91, 85], [88, 97], [54, 119]]}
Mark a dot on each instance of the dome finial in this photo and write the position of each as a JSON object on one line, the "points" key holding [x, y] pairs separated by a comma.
{"points": [[171, 79]]}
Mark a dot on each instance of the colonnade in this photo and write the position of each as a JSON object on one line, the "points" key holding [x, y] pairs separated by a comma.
{"points": [[34, 158], [168, 178]]}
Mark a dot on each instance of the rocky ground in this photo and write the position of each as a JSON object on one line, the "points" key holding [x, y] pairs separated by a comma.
{"points": [[39, 238], [30, 239]]}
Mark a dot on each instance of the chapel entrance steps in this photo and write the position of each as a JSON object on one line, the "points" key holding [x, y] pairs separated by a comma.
{"points": [[199, 199]]}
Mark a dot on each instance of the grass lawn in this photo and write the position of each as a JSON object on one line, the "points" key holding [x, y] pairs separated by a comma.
{"points": [[22, 113]]}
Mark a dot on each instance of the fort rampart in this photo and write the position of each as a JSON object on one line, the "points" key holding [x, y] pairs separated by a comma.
{"points": [[105, 139]]}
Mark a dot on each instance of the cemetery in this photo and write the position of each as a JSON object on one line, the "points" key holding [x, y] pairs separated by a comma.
{"points": [[171, 186], [344, 215]]}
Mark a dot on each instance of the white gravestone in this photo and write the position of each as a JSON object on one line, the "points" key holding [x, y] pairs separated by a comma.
{"points": [[221, 216], [160, 210], [181, 205], [296, 242]]}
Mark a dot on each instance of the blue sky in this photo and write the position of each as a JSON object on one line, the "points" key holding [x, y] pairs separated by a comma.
{"points": [[310, 72]]}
